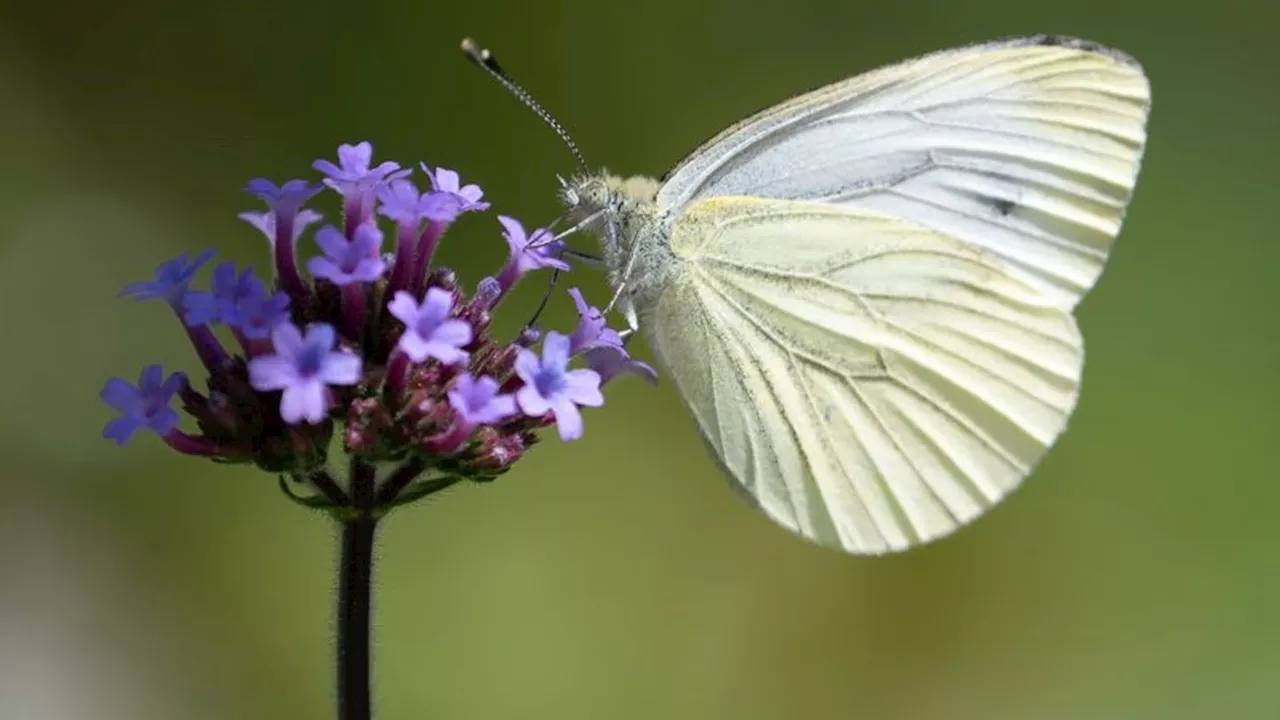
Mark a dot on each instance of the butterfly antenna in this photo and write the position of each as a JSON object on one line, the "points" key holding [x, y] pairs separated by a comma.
{"points": [[486, 61]]}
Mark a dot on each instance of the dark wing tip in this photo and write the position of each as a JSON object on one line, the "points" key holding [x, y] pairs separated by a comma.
{"points": [[1075, 43]]}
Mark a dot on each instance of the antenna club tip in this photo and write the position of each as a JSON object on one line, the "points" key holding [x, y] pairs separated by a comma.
{"points": [[475, 53]]}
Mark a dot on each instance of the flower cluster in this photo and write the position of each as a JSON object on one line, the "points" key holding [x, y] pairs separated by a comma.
{"points": [[384, 348]]}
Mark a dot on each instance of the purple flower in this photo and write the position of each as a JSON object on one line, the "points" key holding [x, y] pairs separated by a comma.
{"points": [[265, 222], [477, 402], [257, 314], [353, 176], [549, 385], [228, 289], [283, 224], [528, 251], [285, 200], [400, 201], [592, 330], [171, 279], [447, 200], [609, 361], [303, 367], [348, 262], [429, 331], [144, 406]]}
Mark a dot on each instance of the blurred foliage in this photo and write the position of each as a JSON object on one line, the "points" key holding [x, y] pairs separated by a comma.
{"points": [[1132, 577]]}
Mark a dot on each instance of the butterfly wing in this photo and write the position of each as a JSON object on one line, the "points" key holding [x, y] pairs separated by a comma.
{"points": [[870, 383], [1028, 148]]}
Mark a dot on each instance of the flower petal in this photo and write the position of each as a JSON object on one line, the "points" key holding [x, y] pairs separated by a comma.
{"points": [[531, 402], [555, 351], [121, 395], [527, 365], [149, 379], [163, 421], [271, 372], [331, 242], [415, 346], [500, 408], [369, 270], [173, 384], [340, 368], [304, 401], [514, 234], [323, 267], [121, 429], [568, 420], [321, 335], [583, 388], [453, 332], [404, 308]]}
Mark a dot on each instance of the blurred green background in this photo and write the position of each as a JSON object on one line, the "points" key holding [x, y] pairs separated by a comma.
{"points": [[1134, 576]]}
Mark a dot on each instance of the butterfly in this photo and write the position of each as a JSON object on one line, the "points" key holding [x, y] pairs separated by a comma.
{"points": [[864, 295]]}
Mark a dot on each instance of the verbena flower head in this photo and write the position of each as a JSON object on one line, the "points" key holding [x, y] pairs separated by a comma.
{"points": [[384, 354]]}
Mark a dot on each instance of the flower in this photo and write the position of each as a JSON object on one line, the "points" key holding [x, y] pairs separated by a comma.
{"points": [[354, 176], [302, 367], [400, 201], [447, 200], [285, 200], [348, 262], [257, 313], [428, 330], [550, 386], [528, 251], [172, 278], [142, 406], [405, 370], [228, 290], [609, 361], [477, 401], [265, 222], [592, 331]]}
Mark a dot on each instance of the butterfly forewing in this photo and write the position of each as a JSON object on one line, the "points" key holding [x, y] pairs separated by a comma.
{"points": [[1028, 148]]}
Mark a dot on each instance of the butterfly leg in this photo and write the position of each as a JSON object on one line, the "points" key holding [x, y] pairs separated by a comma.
{"points": [[585, 258], [633, 323], [626, 271]]}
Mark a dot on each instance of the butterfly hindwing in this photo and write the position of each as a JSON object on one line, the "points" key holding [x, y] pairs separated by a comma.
{"points": [[871, 383]]}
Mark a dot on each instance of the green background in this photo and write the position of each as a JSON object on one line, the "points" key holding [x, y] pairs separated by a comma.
{"points": [[1134, 576]]}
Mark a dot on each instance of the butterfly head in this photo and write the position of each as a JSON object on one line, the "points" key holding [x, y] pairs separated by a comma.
{"points": [[599, 198]]}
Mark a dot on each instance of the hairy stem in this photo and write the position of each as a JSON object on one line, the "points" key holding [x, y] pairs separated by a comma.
{"points": [[355, 598]]}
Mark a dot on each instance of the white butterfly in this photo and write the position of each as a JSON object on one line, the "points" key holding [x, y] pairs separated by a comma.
{"points": [[864, 295]]}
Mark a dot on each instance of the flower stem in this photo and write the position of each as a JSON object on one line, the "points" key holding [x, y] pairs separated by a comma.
{"points": [[399, 480], [355, 597], [422, 256]]}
